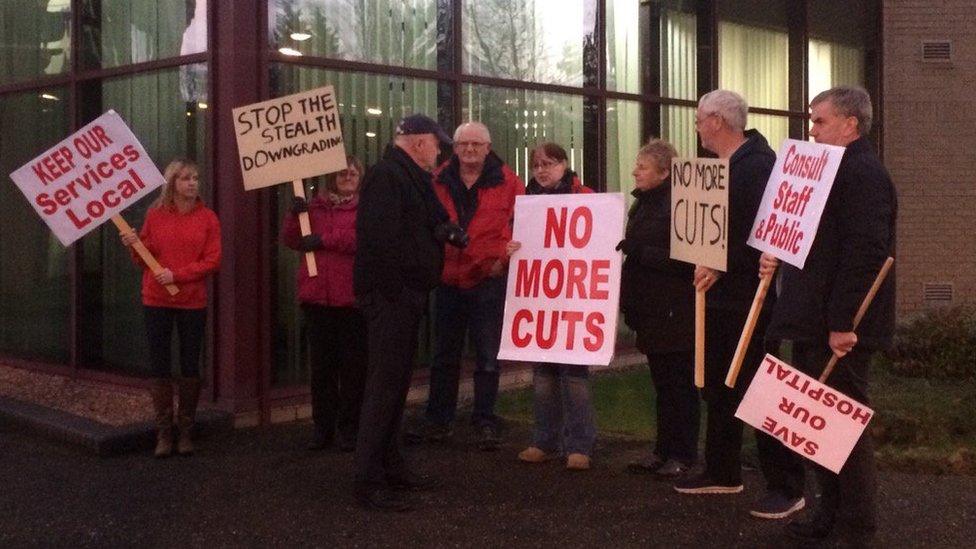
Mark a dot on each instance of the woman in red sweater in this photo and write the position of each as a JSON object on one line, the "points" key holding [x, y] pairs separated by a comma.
{"points": [[335, 328], [184, 236]]}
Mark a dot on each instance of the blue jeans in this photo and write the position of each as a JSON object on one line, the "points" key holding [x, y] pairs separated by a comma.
{"points": [[476, 312], [563, 411]]}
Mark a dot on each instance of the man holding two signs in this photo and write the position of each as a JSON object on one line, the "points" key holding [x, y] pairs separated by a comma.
{"points": [[721, 121], [816, 306]]}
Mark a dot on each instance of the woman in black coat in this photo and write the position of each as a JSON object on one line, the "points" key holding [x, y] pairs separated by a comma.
{"points": [[657, 300]]}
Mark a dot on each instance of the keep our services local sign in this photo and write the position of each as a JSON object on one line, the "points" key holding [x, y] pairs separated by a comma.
{"points": [[88, 178], [289, 138]]}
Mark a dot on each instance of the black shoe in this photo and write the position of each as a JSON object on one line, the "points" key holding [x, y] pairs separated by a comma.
{"points": [[671, 470], [489, 440], [815, 530], [319, 442], [411, 482], [381, 499], [428, 432], [775, 505], [702, 484], [646, 465]]}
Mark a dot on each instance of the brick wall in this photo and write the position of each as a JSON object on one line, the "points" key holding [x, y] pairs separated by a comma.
{"points": [[930, 145]]}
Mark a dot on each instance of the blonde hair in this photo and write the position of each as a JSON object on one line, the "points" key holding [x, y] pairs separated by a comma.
{"points": [[660, 151], [172, 171]]}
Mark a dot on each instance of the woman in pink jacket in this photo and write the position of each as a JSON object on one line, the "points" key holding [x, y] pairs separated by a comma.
{"points": [[335, 328]]}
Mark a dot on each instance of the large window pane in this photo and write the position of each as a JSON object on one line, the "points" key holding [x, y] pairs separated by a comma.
{"points": [[369, 108], [122, 32], [521, 119], [34, 38], [390, 32], [833, 64], [753, 49], [34, 287], [840, 34], [774, 128], [623, 46], [530, 40], [679, 54], [678, 127], [169, 122], [623, 142]]}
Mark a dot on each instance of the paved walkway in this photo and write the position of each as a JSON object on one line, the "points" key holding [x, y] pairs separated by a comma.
{"points": [[260, 488]]}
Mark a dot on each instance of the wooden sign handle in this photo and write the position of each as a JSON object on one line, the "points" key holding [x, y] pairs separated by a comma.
{"points": [[878, 280], [740, 350], [306, 225], [140, 249], [699, 338]]}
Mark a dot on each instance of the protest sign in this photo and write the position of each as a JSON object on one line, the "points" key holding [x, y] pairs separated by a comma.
{"points": [[806, 416], [796, 193], [288, 139], [88, 178], [700, 211], [564, 282]]}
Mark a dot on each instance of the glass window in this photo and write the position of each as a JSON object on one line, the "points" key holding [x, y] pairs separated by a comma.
{"points": [[122, 32], [34, 284], [34, 38], [389, 32], [529, 40], [754, 62], [520, 119], [840, 34], [678, 127], [369, 108], [623, 142], [774, 128], [623, 46], [679, 54], [168, 118]]}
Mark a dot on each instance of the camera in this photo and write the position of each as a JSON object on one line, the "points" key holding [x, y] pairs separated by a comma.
{"points": [[451, 233]]}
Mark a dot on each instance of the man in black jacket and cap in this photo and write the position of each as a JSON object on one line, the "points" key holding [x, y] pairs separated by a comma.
{"points": [[721, 120], [816, 306], [400, 230]]}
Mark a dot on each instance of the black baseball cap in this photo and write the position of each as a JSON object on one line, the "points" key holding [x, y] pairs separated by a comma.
{"points": [[417, 124]]}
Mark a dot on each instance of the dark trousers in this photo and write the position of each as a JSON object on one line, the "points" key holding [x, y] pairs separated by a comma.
{"points": [[847, 498], [723, 439], [673, 375], [337, 345], [392, 341], [190, 325], [478, 313]]}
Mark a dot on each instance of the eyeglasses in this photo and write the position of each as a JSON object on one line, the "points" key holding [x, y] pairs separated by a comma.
{"points": [[469, 144], [545, 165], [699, 120]]}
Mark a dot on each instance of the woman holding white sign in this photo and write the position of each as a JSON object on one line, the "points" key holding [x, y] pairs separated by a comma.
{"points": [[335, 328], [562, 408], [184, 235], [657, 300]]}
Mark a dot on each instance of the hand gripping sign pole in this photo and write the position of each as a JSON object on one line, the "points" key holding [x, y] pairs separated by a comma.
{"points": [[306, 227], [144, 253], [740, 350], [878, 280]]}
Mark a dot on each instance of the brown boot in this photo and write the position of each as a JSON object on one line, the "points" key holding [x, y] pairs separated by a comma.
{"points": [[189, 395], [162, 398]]}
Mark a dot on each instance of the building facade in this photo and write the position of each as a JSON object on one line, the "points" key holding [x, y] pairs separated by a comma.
{"points": [[597, 76]]}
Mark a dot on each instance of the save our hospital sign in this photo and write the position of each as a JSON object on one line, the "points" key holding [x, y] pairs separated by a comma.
{"points": [[564, 282], [88, 178]]}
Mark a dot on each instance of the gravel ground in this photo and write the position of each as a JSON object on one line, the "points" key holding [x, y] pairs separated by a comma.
{"points": [[260, 487], [113, 406]]}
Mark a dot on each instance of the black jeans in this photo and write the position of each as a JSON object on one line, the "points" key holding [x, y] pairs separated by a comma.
{"points": [[847, 498], [392, 333], [678, 416], [337, 344], [190, 326]]}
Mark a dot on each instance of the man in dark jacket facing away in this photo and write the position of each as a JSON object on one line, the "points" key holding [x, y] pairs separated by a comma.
{"points": [[398, 261], [816, 306], [720, 121]]}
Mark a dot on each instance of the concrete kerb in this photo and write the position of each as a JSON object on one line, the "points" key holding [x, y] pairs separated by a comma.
{"points": [[97, 438]]}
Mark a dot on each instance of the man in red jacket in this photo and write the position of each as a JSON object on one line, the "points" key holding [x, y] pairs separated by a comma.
{"points": [[478, 191]]}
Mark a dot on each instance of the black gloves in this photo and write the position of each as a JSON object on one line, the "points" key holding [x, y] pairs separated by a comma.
{"points": [[311, 243], [298, 205], [451, 233]]}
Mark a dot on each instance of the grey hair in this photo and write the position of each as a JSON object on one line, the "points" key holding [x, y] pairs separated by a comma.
{"points": [[477, 126], [849, 101], [728, 105]]}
